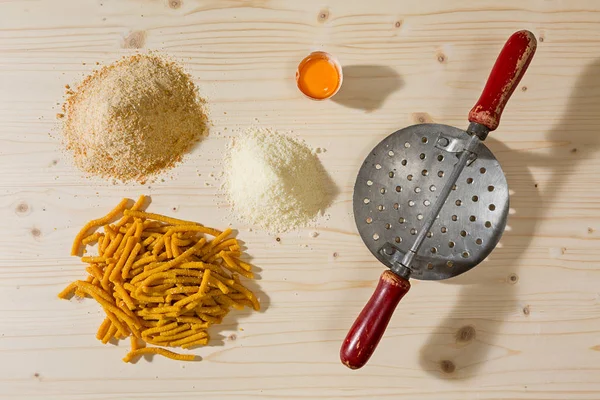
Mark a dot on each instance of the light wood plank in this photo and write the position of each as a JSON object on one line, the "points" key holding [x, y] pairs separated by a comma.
{"points": [[406, 62]]}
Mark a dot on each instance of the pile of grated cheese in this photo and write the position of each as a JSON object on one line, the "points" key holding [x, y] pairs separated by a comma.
{"points": [[275, 181]]}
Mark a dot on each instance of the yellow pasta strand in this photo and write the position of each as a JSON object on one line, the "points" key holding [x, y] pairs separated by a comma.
{"points": [[159, 329], [122, 329], [231, 264], [174, 248], [68, 291], [199, 342], [91, 238], [97, 222], [112, 247], [157, 350], [179, 329], [157, 217], [188, 339], [125, 296], [178, 336], [125, 240], [92, 260], [143, 261], [130, 260], [106, 277], [204, 284], [219, 238], [168, 248], [103, 328], [194, 228], [135, 344], [193, 320], [137, 206], [248, 294], [110, 333], [95, 271]]}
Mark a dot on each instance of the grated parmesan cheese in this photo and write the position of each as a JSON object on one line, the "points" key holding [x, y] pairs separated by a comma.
{"points": [[275, 181]]}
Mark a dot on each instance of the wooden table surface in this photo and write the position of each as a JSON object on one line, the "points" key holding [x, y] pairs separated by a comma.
{"points": [[525, 324]]}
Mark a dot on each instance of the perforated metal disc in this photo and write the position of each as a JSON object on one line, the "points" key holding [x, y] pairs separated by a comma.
{"points": [[398, 184]]}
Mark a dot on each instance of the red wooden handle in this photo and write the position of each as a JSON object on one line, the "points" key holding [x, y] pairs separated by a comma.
{"points": [[504, 78], [365, 334]]}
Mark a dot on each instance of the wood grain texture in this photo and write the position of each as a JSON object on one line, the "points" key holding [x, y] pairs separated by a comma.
{"points": [[525, 324]]}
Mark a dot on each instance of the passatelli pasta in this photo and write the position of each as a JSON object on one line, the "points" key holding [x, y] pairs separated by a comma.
{"points": [[160, 280]]}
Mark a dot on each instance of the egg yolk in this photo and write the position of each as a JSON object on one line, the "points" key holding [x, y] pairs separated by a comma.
{"points": [[318, 78]]}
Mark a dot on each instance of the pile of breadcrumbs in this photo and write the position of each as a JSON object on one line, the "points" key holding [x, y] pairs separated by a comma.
{"points": [[133, 118]]}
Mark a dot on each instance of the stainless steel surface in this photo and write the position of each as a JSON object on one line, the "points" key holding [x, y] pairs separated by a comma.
{"points": [[398, 186], [430, 217]]}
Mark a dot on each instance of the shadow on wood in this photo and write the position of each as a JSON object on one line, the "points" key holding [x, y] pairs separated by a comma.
{"points": [[366, 87], [467, 338]]}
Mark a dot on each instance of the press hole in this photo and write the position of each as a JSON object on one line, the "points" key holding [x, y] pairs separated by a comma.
{"points": [[401, 220], [398, 189], [391, 153], [375, 236], [475, 198], [413, 231], [453, 187], [492, 207], [444, 229], [463, 233], [488, 224], [424, 172], [417, 190], [440, 174], [422, 156], [432, 188], [426, 203], [451, 244], [430, 266], [482, 170], [458, 202], [490, 188], [419, 216], [465, 254], [429, 234], [409, 177], [377, 166], [396, 206], [382, 190], [454, 218], [434, 250], [479, 241], [440, 158], [369, 183], [398, 239], [403, 162], [411, 203], [391, 174], [449, 264], [381, 208], [472, 218], [369, 220], [388, 226], [407, 145], [423, 139], [469, 180], [366, 201]]}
